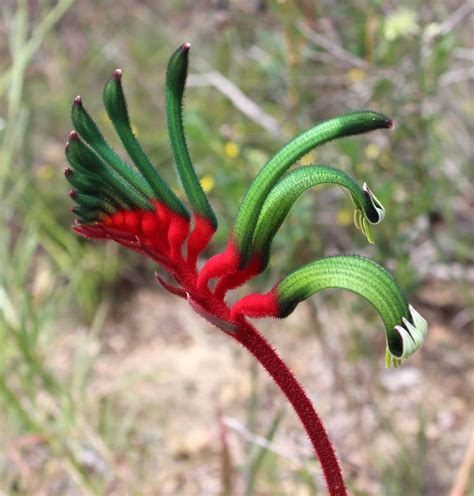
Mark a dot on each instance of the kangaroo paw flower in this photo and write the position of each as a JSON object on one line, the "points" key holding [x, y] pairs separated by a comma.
{"points": [[285, 193], [363, 221], [90, 133], [205, 219], [132, 205], [404, 327]]}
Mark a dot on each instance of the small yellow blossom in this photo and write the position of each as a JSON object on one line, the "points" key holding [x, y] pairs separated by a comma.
{"points": [[207, 183], [372, 151], [355, 75], [309, 158], [231, 149]]}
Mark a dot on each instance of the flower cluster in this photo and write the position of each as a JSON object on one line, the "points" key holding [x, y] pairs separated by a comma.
{"points": [[136, 208]]}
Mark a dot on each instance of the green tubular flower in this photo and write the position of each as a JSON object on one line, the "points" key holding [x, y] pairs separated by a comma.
{"points": [[87, 215], [93, 202], [83, 160], [339, 127], [175, 86], [89, 131], [116, 106], [405, 328], [354, 273], [282, 197], [95, 186]]}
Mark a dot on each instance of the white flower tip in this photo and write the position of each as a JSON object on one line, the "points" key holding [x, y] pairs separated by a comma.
{"points": [[412, 335]]}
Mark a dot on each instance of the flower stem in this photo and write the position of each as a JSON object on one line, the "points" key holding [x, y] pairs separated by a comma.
{"points": [[261, 349]]}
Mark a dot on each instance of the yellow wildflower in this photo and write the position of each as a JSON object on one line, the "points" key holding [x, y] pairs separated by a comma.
{"points": [[207, 183], [309, 158], [355, 75], [372, 151], [231, 149]]}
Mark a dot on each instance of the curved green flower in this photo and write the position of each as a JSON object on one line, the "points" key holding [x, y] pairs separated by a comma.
{"points": [[175, 85], [368, 210], [404, 327]]}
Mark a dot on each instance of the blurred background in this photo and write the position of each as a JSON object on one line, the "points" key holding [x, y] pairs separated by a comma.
{"points": [[110, 386]]}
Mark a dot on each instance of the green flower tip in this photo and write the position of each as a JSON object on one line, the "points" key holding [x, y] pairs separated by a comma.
{"points": [[412, 335], [373, 214]]}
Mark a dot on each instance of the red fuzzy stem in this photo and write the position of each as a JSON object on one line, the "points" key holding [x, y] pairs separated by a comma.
{"points": [[240, 329], [261, 349]]}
